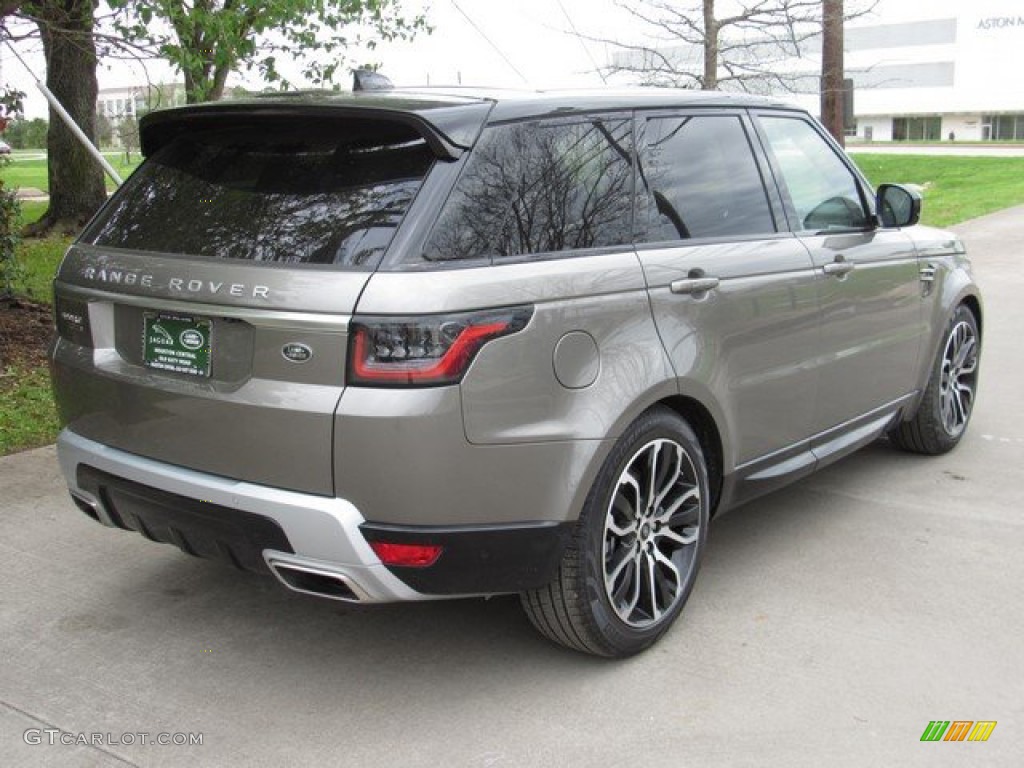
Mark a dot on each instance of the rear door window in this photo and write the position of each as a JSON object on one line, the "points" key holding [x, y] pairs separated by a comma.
{"points": [[698, 179], [301, 193], [540, 187]]}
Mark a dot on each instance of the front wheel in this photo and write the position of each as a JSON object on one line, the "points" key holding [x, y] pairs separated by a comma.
{"points": [[948, 401], [633, 561]]}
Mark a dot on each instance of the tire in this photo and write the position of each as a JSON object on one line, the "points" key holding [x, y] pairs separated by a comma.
{"points": [[945, 408], [596, 604]]}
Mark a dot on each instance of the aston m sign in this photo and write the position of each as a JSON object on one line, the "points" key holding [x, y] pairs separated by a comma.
{"points": [[1001, 22]]}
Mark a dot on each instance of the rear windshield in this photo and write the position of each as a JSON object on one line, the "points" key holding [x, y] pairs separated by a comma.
{"points": [[327, 193]]}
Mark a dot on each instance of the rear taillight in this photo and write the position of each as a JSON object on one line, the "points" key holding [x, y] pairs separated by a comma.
{"points": [[425, 351]]}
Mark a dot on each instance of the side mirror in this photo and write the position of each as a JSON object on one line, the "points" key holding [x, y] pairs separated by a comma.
{"points": [[898, 206]]}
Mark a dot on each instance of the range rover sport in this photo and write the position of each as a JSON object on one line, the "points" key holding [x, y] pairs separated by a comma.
{"points": [[413, 344]]}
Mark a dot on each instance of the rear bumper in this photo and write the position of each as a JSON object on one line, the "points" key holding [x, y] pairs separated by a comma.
{"points": [[323, 533], [313, 544]]}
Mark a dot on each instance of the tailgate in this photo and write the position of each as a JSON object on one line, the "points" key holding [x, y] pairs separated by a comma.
{"points": [[203, 316], [246, 392]]}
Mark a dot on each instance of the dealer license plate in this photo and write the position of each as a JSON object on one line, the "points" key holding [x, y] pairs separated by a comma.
{"points": [[177, 343]]}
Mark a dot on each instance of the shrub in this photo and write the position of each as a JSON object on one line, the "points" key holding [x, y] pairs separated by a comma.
{"points": [[10, 216]]}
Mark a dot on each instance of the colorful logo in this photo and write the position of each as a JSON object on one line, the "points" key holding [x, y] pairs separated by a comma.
{"points": [[958, 730]]}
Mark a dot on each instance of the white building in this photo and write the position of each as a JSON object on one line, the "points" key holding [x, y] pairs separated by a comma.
{"points": [[922, 70], [136, 100], [929, 70]]}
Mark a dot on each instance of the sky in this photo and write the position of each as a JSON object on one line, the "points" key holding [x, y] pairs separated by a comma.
{"points": [[513, 43]]}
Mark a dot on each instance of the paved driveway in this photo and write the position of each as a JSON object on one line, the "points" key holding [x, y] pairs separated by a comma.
{"points": [[831, 623]]}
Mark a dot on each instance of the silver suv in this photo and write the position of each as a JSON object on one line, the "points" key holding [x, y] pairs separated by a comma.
{"points": [[414, 344]]}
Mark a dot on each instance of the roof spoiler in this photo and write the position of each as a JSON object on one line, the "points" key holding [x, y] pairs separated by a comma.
{"points": [[160, 127]]}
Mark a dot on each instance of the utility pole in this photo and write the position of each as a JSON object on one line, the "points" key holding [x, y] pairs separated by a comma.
{"points": [[832, 68]]}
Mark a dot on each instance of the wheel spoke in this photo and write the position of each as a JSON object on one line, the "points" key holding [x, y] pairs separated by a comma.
{"points": [[964, 352], [668, 586], [666, 516], [625, 512], [683, 539], [627, 556], [671, 477], [948, 419], [959, 409], [684, 518], [629, 480], [652, 474], [652, 588], [632, 580]]}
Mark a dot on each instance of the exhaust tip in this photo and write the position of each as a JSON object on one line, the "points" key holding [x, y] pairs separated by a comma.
{"points": [[311, 581], [87, 506]]}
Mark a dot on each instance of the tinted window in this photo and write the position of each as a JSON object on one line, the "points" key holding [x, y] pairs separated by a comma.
{"points": [[822, 189], [532, 188], [699, 178], [313, 194]]}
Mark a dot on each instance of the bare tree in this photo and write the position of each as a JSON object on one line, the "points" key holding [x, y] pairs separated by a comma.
{"points": [[697, 44]]}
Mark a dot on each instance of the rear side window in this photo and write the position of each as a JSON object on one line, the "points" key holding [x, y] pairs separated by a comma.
{"points": [[539, 188], [698, 178], [302, 193]]}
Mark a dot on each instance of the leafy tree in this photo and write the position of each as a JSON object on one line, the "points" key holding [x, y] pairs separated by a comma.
{"points": [[27, 134], [128, 134], [104, 130], [75, 179], [209, 39]]}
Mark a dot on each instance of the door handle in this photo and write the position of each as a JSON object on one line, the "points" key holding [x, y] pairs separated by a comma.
{"points": [[692, 285], [839, 267]]}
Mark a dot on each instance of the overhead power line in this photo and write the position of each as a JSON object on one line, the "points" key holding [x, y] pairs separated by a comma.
{"points": [[491, 43], [583, 43]]}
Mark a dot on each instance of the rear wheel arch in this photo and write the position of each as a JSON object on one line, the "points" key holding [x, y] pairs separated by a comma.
{"points": [[695, 411], [708, 434]]}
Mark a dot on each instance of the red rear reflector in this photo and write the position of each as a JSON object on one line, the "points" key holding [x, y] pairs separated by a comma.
{"points": [[411, 555]]}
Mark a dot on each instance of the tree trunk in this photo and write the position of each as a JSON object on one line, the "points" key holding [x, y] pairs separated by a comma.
{"points": [[832, 69], [710, 81], [75, 178]]}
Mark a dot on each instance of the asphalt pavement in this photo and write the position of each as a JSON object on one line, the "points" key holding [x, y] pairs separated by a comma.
{"points": [[832, 622]]}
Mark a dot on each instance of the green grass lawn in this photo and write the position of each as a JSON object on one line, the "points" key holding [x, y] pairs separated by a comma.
{"points": [[27, 416], [28, 169], [955, 188]]}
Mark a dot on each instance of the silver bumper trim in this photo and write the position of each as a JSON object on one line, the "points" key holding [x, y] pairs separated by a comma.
{"points": [[324, 532]]}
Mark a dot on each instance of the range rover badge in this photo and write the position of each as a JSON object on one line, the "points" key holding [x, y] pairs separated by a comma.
{"points": [[296, 353]]}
